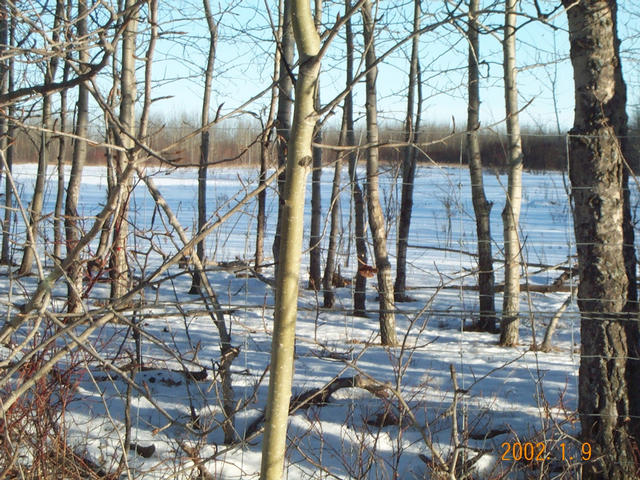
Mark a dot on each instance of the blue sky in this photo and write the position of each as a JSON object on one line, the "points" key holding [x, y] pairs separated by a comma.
{"points": [[245, 52]]}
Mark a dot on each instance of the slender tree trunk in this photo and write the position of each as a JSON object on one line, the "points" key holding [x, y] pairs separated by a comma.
{"points": [[329, 296], [376, 217], [607, 383], [6, 129], [106, 234], [546, 345], [37, 202], [102, 255], [120, 275], [62, 152], [58, 226], [283, 118], [265, 147], [509, 335], [408, 163], [481, 206], [72, 230], [4, 71], [261, 219], [315, 254], [299, 161], [204, 141], [359, 212]]}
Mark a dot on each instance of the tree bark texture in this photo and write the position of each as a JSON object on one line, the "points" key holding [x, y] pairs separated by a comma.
{"points": [[299, 160], [596, 171], [376, 217], [509, 335], [481, 206], [408, 163]]}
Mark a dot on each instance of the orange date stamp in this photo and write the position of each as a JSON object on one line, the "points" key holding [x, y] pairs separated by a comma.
{"points": [[537, 452]]}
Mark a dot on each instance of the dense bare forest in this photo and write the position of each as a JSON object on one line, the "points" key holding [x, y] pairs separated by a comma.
{"points": [[456, 297]]}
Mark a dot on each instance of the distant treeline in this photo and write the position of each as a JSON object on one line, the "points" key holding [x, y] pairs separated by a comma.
{"points": [[240, 145]]}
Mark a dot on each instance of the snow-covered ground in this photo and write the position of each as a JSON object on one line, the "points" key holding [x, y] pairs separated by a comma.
{"points": [[505, 395]]}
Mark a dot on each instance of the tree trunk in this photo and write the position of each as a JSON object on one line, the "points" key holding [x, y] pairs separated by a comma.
{"points": [[204, 140], [37, 202], [4, 71], [283, 118], [72, 230], [481, 207], [606, 383], [359, 212], [265, 147], [299, 160], [7, 85], [509, 335], [120, 275], [58, 226], [329, 296], [376, 217], [408, 163], [315, 253], [62, 152], [546, 346]]}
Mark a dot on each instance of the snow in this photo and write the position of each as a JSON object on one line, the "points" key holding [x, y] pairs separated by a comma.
{"points": [[532, 396]]}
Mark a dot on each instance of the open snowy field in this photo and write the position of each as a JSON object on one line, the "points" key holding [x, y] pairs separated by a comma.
{"points": [[393, 412]]}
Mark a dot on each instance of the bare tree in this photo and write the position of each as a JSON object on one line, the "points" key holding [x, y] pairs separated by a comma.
{"points": [[509, 335], [102, 255], [376, 217], [359, 211], [7, 37], [283, 117], [606, 383], [315, 253], [334, 209], [481, 206], [72, 229], [4, 70], [35, 209], [265, 146], [315, 233], [411, 127], [299, 160], [119, 268], [204, 139], [62, 153]]}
